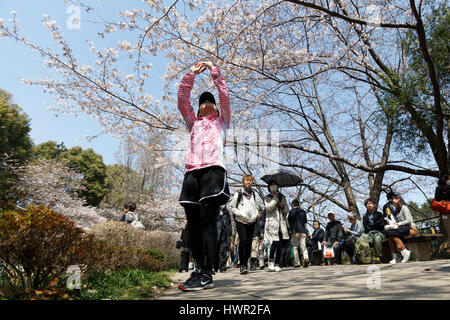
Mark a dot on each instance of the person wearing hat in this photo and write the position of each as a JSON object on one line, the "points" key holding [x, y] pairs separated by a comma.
{"points": [[205, 185], [334, 234]]}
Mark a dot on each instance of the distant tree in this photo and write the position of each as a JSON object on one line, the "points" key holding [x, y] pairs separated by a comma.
{"points": [[86, 162], [422, 211], [51, 183], [15, 147], [14, 129]]}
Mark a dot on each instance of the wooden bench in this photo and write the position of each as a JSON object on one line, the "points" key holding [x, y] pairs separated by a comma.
{"points": [[419, 246]]}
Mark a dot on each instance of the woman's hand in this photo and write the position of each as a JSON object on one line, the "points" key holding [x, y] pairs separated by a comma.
{"points": [[208, 64], [198, 68]]}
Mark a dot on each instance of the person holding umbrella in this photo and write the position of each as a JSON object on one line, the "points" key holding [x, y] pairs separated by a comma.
{"points": [[275, 229]]}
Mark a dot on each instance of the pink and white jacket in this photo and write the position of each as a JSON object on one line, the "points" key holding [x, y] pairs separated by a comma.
{"points": [[208, 134]]}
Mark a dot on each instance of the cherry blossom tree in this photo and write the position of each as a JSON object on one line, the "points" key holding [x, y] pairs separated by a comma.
{"points": [[327, 75], [50, 183]]}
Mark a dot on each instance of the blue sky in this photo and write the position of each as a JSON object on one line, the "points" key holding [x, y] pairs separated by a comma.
{"points": [[19, 62]]}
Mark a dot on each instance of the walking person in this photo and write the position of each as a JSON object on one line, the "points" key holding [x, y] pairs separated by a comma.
{"points": [[224, 235], [403, 226], [245, 208], [373, 223], [205, 185], [185, 250], [257, 245], [275, 229], [352, 235], [297, 221]]}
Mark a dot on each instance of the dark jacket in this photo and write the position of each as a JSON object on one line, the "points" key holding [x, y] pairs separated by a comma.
{"points": [[297, 220], [317, 236], [377, 225], [224, 226], [257, 231], [442, 193], [333, 232], [262, 222]]}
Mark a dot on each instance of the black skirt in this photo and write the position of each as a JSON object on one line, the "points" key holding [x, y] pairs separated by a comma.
{"points": [[401, 231], [205, 186]]}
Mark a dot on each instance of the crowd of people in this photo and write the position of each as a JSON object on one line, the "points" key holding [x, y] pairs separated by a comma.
{"points": [[268, 228], [254, 234]]}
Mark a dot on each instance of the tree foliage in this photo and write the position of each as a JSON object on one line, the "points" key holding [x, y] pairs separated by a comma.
{"points": [[14, 129], [86, 162]]}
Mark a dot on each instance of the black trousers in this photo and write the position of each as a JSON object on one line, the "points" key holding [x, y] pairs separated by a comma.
{"points": [[276, 248], [245, 232], [223, 248], [203, 233]]}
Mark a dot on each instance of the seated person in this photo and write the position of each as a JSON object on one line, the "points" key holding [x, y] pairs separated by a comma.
{"points": [[373, 223], [333, 235], [352, 235], [403, 226], [315, 240]]}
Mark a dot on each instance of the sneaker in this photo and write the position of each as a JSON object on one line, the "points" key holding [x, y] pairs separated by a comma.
{"points": [[191, 278], [377, 260], [277, 269], [205, 281], [244, 269], [394, 259], [306, 263], [271, 267], [406, 254]]}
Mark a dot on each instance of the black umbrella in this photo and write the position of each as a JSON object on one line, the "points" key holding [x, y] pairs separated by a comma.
{"points": [[283, 178]]}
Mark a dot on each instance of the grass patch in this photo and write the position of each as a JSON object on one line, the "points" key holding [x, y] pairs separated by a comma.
{"points": [[122, 285]]}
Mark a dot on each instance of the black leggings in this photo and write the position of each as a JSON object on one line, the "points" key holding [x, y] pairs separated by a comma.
{"points": [[202, 227], [275, 249], [245, 232]]}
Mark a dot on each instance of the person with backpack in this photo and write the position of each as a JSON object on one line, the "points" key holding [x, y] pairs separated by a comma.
{"points": [[205, 185], [245, 208], [297, 221]]}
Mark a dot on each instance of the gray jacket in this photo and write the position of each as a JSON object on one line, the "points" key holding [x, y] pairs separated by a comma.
{"points": [[357, 228], [404, 217]]}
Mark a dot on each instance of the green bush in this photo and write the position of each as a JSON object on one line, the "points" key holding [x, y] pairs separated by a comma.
{"points": [[37, 245], [116, 234], [155, 253]]}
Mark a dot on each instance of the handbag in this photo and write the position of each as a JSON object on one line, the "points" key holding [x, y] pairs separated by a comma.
{"points": [[328, 252], [441, 206]]}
